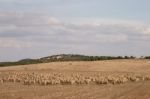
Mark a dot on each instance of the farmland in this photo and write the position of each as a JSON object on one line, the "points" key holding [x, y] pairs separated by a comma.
{"points": [[107, 79]]}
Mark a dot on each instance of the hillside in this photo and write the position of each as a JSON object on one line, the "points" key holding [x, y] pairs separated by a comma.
{"points": [[63, 57]]}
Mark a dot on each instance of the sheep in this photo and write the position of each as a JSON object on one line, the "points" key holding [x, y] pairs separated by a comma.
{"points": [[134, 79], [124, 79], [1, 80], [87, 81], [27, 82], [147, 77], [55, 78], [102, 80]]}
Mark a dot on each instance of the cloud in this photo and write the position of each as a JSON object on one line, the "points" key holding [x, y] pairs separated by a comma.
{"points": [[35, 29], [13, 43]]}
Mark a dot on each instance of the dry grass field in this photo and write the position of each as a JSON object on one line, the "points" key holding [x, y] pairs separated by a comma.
{"points": [[111, 79]]}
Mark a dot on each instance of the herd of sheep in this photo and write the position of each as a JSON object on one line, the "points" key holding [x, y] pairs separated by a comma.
{"points": [[73, 78]]}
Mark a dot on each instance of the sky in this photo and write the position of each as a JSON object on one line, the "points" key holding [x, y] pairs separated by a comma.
{"points": [[37, 28]]}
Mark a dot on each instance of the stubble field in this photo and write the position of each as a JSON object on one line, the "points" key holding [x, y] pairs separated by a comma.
{"points": [[111, 79]]}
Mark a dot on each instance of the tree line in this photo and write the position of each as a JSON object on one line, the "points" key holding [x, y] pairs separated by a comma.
{"points": [[67, 57]]}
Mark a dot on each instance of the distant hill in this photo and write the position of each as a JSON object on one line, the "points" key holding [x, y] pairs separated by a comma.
{"points": [[21, 62], [76, 57], [63, 57]]}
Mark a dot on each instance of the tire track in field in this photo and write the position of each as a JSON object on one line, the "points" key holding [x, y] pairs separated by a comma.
{"points": [[128, 91]]}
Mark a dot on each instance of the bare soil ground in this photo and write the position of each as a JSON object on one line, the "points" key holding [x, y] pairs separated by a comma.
{"points": [[137, 90], [129, 90]]}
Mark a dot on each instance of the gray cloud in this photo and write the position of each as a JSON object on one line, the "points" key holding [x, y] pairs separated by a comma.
{"points": [[35, 26], [38, 32]]}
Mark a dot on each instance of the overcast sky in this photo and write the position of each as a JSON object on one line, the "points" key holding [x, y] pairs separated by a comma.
{"points": [[36, 28]]}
